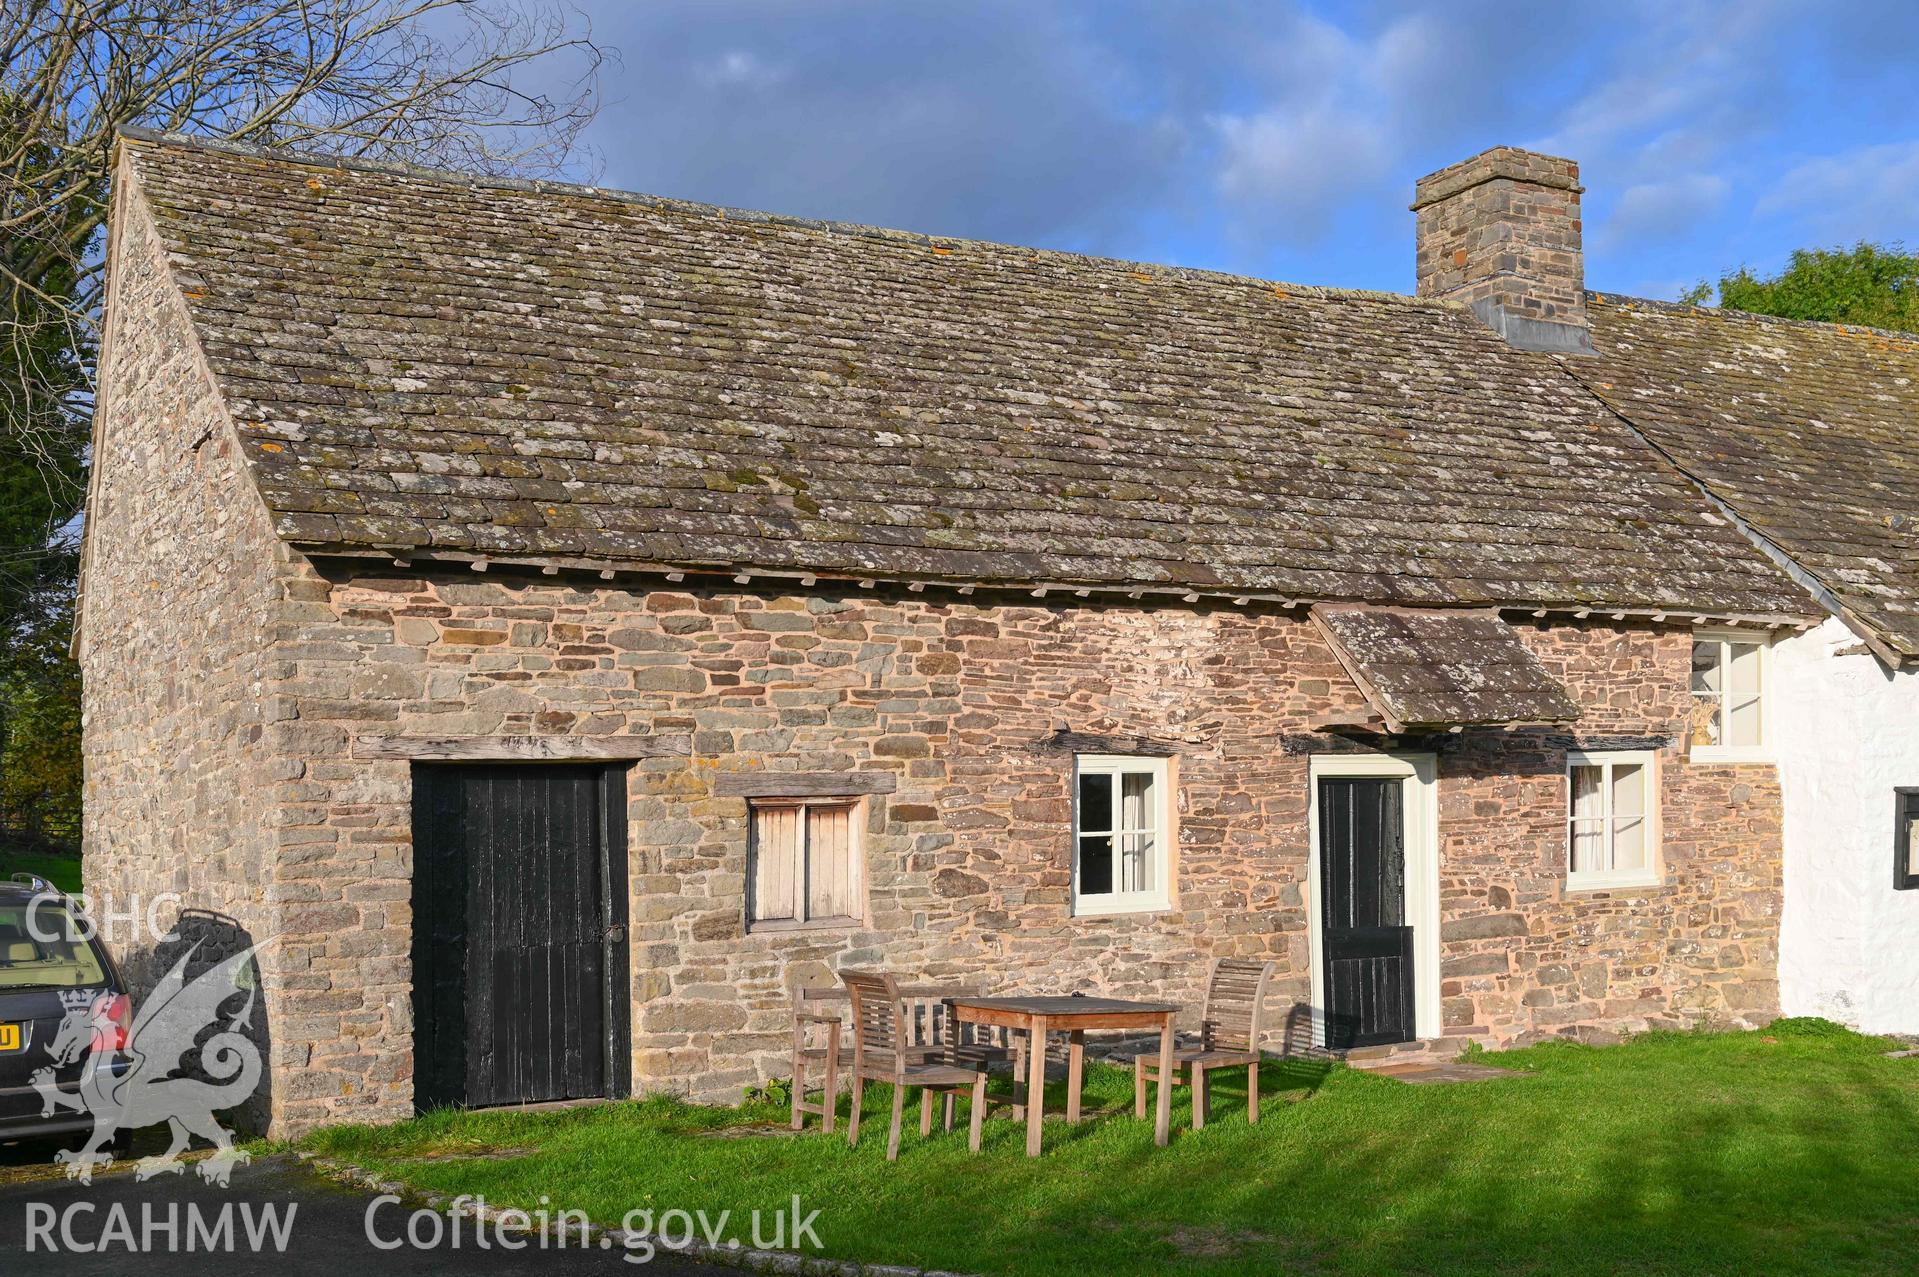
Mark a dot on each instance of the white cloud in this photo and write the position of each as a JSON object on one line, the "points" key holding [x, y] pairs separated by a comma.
{"points": [[1260, 135], [1654, 211], [1324, 136], [1869, 192], [737, 68], [1299, 167]]}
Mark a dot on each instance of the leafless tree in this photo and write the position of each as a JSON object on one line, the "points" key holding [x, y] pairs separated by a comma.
{"points": [[449, 82]]}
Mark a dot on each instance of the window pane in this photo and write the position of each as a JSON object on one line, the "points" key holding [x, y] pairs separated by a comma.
{"points": [[832, 888], [1708, 681], [1137, 801], [1096, 865], [1705, 667], [1706, 726], [1135, 862], [62, 958], [1628, 789], [1095, 802], [1705, 721], [1629, 843], [1588, 800], [776, 852], [1912, 833], [1747, 663], [1588, 845]]}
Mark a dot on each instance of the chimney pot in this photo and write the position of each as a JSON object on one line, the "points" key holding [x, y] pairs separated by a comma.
{"points": [[1501, 232]]}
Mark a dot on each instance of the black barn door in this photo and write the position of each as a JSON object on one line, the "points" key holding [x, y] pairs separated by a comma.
{"points": [[1368, 948], [519, 941]]}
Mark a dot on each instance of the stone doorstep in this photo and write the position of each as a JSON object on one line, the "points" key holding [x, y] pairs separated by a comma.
{"points": [[760, 1261], [1437, 1071], [1429, 1051]]}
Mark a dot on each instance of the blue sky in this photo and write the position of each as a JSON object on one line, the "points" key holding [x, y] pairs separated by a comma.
{"points": [[1277, 139]]}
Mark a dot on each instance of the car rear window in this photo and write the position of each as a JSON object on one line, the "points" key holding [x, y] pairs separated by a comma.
{"points": [[40, 945]]}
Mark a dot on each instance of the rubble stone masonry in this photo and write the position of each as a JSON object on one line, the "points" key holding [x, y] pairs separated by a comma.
{"points": [[961, 701], [1504, 228], [175, 638]]}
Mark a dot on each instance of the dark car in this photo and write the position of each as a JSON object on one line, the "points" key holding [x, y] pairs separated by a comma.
{"points": [[62, 1008]]}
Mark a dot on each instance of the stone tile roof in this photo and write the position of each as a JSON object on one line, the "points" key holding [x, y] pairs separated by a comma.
{"points": [[1808, 432], [1427, 667], [534, 371]]}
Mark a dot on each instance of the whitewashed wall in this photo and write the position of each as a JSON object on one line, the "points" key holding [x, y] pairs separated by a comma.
{"points": [[1846, 732]]}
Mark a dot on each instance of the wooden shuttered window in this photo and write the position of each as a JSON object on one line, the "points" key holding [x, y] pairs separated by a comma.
{"points": [[805, 868]]}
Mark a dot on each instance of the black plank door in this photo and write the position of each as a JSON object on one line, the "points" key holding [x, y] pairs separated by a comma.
{"points": [[519, 942], [1368, 949]]}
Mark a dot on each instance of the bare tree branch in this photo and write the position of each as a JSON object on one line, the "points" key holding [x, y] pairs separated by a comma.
{"points": [[460, 83]]}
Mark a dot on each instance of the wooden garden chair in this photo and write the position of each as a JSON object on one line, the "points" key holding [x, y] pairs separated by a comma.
{"points": [[884, 1051], [820, 1039], [819, 1013], [1228, 1037]]}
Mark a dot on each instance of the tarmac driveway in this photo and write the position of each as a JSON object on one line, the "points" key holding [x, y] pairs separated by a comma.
{"points": [[45, 1220]]}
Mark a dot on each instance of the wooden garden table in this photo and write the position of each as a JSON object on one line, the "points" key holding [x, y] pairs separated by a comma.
{"points": [[1073, 1016]]}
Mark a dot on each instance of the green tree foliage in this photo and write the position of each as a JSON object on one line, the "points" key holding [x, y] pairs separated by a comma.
{"points": [[44, 400], [1871, 284], [40, 779]]}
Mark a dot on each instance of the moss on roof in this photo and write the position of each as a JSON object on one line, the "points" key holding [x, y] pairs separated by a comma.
{"points": [[419, 359], [1809, 432]]}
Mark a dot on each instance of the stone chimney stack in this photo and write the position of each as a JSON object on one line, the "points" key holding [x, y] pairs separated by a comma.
{"points": [[1500, 232]]}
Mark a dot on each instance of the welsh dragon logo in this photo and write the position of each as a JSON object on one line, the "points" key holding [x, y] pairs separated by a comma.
{"points": [[149, 1090]]}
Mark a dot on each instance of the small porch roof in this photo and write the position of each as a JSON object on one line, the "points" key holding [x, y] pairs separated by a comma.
{"points": [[1425, 669]]}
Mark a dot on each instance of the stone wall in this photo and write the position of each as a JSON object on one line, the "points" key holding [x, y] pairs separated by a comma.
{"points": [[181, 570], [1502, 232], [960, 701]]}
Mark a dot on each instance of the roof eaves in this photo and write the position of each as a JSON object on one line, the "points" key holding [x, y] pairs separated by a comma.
{"points": [[1163, 593]]}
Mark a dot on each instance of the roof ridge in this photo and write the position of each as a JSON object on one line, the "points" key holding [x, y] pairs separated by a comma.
{"points": [[1729, 313], [542, 186]]}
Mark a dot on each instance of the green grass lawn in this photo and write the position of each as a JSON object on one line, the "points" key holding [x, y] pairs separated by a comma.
{"points": [[62, 871], [1792, 1150]]}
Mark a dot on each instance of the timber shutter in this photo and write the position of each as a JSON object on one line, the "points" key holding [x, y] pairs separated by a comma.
{"points": [[806, 868]]}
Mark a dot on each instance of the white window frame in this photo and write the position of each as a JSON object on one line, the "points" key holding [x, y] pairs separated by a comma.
{"points": [[1652, 873], [1760, 753], [1158, 895], [856, 851]]}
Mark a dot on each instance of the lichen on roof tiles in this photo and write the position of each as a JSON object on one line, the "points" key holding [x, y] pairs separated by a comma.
{"points": [[1426, 668], [1809, 432], [521, 369]]}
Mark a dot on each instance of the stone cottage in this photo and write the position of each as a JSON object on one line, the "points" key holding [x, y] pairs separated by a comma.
{"points": [[1803, 434], [564, 619]]}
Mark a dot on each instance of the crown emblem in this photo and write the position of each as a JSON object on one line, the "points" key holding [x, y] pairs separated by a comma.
{"points": [[76, 999]]}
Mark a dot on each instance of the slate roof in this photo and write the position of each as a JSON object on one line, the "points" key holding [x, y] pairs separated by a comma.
{"points": [[545, 372], [1808, 432], [1427, 667]]}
